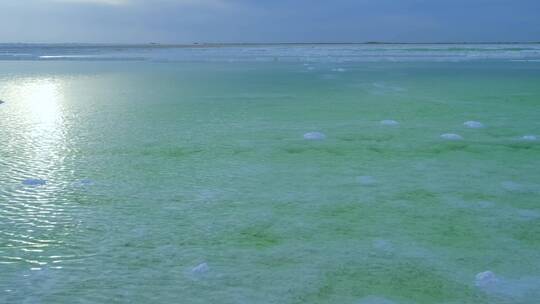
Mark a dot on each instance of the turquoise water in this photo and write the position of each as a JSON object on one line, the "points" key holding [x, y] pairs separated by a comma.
{"points": [[174, 175]]}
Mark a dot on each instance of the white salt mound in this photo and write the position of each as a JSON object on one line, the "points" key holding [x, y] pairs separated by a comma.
{"points": [[529, 138], [314, 136], [473, 124], [485, 279], [200, 269], [389, 122], [451, 136]]}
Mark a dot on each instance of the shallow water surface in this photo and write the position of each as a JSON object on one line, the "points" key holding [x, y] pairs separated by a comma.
{"points": [[150, 181]]}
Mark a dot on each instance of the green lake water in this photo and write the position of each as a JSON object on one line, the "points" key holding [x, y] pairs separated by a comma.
{"points": [[188, 181]]}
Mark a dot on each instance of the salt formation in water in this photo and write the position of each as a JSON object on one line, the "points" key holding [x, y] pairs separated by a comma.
{"points": [[34, 182], [473, 124], [511, 186], [451, 136], [375, 300], [519, 290], [528, 214], [485, 204], [84, 182], [314, 136], [366, 180], [341, 70], [529, 138], [485, 279], [200, 269], [383, 246], [384, 88], [389, 122]]}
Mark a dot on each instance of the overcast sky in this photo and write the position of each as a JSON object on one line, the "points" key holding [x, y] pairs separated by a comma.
{"points": [[187, 21]]}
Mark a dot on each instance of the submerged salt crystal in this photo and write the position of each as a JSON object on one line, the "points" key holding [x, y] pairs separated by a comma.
{"points": [[511, 186], [34, 182], [389, 122], [314, 136], [473, 124], [338, 70], [529, 138], [366, 180], [201, 268], [375, 300], [485, 279], [84, 182], [485, 204], [528, 214], [520, 290], [451, 136], [383, 245]]}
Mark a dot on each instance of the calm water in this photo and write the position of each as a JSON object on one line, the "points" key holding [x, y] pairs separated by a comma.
{"points": [[124, 170]]}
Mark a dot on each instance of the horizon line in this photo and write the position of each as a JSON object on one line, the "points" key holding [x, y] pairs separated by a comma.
{"points": [[203, 44]]}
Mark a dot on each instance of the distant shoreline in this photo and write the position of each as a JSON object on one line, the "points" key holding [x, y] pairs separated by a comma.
{"points": [[211, 44]]}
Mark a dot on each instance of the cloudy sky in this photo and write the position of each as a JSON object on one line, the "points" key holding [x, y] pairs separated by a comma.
{"points": [[187, 21]]}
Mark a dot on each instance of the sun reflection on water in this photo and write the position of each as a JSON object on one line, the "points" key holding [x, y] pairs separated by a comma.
{"points": [[39, 119], [43, 97], [36, 143]]}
